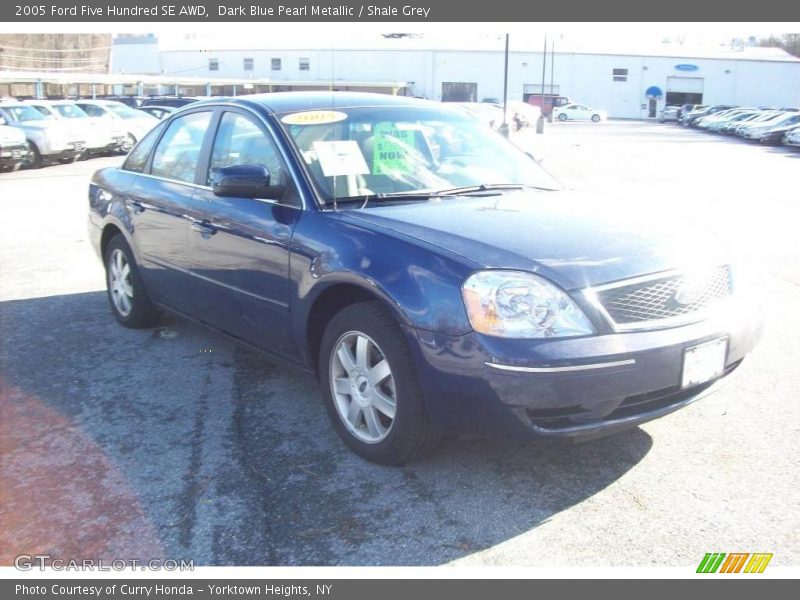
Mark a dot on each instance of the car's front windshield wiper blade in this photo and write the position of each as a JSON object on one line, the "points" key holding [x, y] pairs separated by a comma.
{"points": [[426, 194], [487, 187]]}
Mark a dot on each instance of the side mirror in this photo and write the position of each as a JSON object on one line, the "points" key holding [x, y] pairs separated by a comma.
{"points": [[244, 181]]}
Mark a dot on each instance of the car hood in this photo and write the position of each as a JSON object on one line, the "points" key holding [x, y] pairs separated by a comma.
{"points": [[11, 135], [569, 237]]}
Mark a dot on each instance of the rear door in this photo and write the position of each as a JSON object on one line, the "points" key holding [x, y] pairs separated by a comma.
{"points": [[161, 206], [241, 246]]}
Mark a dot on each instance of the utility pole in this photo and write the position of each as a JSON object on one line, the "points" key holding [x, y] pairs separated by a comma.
{"points": [[540, 120]]}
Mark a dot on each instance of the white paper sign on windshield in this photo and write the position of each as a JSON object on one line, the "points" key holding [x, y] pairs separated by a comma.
{"points": [[340, 158]]}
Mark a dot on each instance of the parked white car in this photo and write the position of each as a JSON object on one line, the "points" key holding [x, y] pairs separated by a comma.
{"points": [[102, 135], [579, 112], [792, 138], [135, 122], [755, 131], [13, 147], [483, 111], [47, 140]]}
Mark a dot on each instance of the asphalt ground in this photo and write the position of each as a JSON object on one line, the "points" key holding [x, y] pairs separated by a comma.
{"points": [[175, 443]]}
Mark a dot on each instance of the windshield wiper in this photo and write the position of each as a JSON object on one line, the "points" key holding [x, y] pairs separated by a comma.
{"points": [[487, 187], [482, 189]]}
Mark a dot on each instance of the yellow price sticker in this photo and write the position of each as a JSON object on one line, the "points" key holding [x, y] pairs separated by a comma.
{"points": [[314, 117]]}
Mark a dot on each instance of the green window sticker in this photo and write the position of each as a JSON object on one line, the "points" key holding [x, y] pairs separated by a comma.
{"points": [[392, 148]]}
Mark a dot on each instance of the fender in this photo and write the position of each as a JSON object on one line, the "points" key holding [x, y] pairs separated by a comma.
{"points": [[108, 206], [421, 286]]}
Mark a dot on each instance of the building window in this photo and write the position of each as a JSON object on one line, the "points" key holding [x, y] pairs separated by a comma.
{"points": [[276, 64], [248, 64], [620, 74], [213, 64], [305, 64]]}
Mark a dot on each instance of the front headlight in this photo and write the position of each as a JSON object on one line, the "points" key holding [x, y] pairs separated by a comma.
{"points": [[518, 304]]}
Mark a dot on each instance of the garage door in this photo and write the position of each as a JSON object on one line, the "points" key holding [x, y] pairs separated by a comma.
{"points": [[690, 85]]}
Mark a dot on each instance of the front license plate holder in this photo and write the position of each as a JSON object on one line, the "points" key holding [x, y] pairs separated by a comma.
{"points": [[704, 362]]}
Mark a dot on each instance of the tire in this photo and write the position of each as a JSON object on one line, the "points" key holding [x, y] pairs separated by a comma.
{"points": [[596, 119], [68, 160], [34, 160], [393, 434], [128, 144], [129, 301], [562, 117]]}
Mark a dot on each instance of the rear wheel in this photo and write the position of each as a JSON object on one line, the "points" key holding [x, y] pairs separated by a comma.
{"points": [[129, 300], [371, 388], [562, 117]]}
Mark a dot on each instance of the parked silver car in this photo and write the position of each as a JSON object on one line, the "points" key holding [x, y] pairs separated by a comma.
{"points": [[47, 140], [13, 147], [135, 122], [101, 135], [670, 113]]}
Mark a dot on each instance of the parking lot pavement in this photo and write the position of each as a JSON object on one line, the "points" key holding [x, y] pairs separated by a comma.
{"points": [[172, 442]]}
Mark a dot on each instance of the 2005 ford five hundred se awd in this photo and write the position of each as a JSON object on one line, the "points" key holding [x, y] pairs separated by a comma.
{"points": [[434, 277]]}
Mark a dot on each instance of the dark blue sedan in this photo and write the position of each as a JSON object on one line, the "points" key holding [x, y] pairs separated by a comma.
{"points": [[431, 275]]}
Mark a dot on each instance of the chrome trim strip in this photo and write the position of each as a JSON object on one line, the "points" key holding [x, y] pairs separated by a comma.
{"points": [[175, 181], [605, 365]]}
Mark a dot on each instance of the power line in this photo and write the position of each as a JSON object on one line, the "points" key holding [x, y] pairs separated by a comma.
{"points": [[51, 59], [28, 49], [45, 71]]}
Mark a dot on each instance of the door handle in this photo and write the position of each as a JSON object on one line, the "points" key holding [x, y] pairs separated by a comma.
{"points": [[204, 228]]}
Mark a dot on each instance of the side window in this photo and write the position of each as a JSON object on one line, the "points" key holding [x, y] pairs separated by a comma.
{"points": [[137, 159], [178, 152], [240, 141], [92, 110]]}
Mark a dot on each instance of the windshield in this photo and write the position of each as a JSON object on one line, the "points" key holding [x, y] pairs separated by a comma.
{"points": [[70, 111], [122, 111], [23, 114], [366, 151]]}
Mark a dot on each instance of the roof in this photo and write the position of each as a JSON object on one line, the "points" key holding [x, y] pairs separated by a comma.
{"points": [[373, 40], [281, 102]]}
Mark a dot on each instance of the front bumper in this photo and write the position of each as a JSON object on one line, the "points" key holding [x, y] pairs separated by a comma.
{"points": [[570, 387], [13, 155], [69, 149]]}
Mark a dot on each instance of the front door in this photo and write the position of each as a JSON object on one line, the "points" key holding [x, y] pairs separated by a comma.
{"points": [[241, 247], [652, 108]]}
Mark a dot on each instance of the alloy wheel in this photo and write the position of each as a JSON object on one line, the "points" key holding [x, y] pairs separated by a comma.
{"points": [[363, 387], [120, 284]]}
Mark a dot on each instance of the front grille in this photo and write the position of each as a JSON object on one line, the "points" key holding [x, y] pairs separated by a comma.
{"points": [[665, 298]]}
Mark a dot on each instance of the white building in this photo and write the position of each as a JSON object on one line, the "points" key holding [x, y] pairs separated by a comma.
{"points": [[627, 85]]}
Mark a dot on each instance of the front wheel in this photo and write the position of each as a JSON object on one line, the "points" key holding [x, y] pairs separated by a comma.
{"points": [[562, 117], [596, 118], [371, 388], [129, 301], [34, 160], [128, 144]]}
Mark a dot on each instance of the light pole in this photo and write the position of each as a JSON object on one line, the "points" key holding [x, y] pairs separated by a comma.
{"points": [[552, 77], [504, 126]]}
